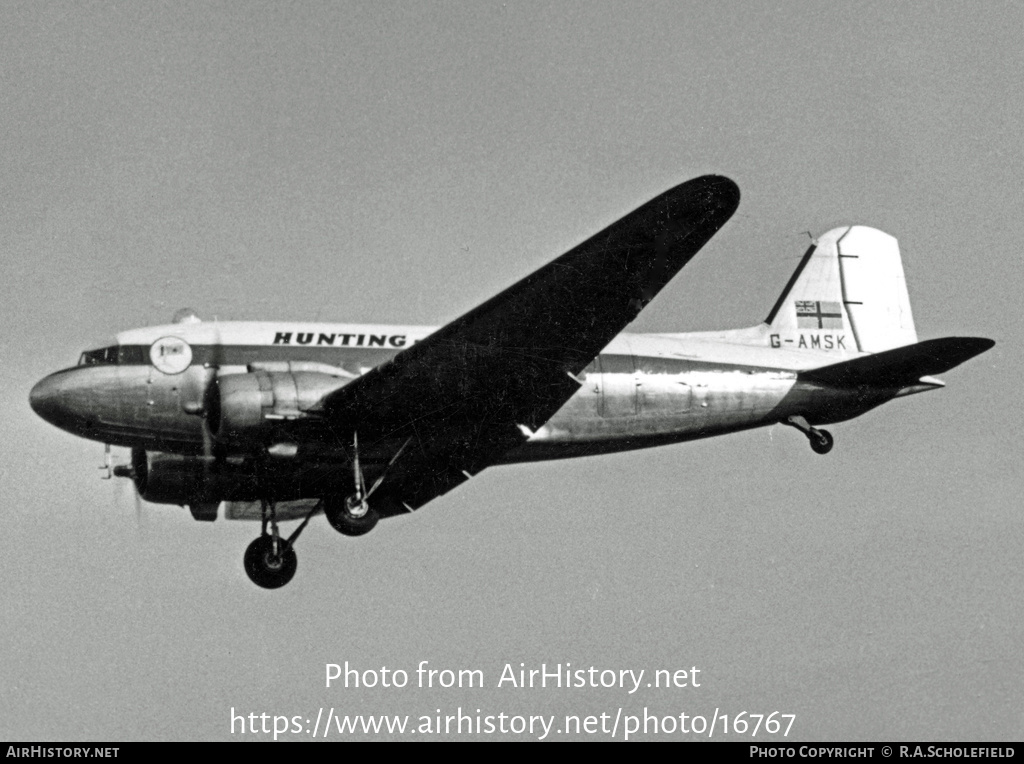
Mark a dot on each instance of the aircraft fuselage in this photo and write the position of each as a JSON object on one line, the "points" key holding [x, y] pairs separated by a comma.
{"points": [[147, 390]]}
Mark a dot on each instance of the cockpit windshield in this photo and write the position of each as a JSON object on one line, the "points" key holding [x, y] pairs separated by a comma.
{"points": [[99, 357], [115, 355]]}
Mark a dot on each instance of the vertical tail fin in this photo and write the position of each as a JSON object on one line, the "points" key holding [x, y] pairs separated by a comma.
{"points": [[848, 293]]}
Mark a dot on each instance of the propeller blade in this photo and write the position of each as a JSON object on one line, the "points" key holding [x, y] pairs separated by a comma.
{"points": [[210, 398], [138, 508], [207, 440], [108, 473]]}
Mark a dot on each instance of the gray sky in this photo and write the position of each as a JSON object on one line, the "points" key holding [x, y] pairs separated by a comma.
{"points": [[402, 163]]}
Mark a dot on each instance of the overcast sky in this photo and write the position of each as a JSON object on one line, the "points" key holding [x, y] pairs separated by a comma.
{"points": [[385, 162]]}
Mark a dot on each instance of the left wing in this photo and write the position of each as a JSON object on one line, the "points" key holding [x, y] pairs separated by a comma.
{"points": [[472, 390]]}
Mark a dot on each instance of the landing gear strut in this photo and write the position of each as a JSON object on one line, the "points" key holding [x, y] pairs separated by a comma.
{"points": [[353, 515], [821, 440]]}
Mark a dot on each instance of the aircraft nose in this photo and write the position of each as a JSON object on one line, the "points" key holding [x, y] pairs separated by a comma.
{"points": [[54, 399], [45, 399]]}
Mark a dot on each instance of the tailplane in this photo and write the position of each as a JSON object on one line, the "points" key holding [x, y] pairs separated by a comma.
{"points": [[901, 367], [848, 294]]}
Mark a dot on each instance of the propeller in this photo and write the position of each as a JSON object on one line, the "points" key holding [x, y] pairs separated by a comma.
{"points": [[124, 471], [203, 399], [106, 463], [139, 522], [211, 402]]}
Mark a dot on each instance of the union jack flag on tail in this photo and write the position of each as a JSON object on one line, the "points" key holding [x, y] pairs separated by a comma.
{"points": [[818, 314]]}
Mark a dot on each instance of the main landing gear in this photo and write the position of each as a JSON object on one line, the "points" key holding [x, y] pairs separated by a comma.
{"points": [[354, 516], [270, 561], [821, 440]]}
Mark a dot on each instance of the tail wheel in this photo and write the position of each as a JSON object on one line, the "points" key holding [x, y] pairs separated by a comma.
{"points": [[348, 521], [269, 568], [821, 441]]}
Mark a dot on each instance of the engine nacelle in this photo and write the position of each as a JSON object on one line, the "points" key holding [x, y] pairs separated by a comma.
{"points": [[251, 407], [175, 479]]}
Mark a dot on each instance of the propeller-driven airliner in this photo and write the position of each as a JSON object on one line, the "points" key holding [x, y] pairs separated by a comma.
{"points": [[276, 421]]}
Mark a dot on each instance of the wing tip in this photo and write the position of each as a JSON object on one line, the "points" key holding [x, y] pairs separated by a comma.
{"points": [[716, 196]]}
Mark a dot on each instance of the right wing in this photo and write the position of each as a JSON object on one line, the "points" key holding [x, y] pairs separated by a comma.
{"points": [[473, 389]]}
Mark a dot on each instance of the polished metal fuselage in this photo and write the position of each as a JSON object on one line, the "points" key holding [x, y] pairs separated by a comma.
{"points": [[643, 390]]}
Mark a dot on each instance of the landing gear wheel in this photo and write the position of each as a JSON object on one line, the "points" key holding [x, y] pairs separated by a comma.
{"points": [[267, 569], [352, 521], [821, 441]]}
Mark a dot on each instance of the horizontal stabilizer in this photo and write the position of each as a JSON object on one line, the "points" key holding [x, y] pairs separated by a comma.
{"points": [[900, 366]]}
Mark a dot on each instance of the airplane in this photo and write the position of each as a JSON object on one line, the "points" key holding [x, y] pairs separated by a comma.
{"points": [[276, 421]]}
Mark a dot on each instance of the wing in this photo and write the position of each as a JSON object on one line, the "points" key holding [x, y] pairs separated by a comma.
{"points": [[466, 394]]}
